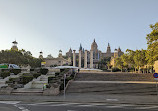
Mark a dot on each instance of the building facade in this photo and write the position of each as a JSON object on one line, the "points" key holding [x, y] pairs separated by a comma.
{"points": [[52, 62], [91, 58]]}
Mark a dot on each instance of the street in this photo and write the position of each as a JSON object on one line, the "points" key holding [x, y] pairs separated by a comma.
{"points": [[62, 106]]}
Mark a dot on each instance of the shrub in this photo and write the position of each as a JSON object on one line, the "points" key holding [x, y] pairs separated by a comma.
{"points": [[104, 69], [62, 86], [15, 71], [57, 73], [13, 80], [5, 70], [68, 78], [36, 75], [5, 74], [72, 76], [32, 69], [43, 71], [26, 78], [115, 69]]}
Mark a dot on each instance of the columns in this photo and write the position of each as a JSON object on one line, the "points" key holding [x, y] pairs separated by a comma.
{"points": [[79, 59], [74, 58], [85, 59], [91, 59]]}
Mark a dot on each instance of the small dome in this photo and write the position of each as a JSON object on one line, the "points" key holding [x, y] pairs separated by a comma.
{"points": [[94, 45], [60, 51], [15, 42], [41, 52]]}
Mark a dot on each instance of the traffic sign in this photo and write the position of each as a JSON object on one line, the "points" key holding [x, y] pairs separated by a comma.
{"points": [[155, 75]]}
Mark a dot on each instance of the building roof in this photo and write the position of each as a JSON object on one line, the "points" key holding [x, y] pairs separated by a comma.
{"points": [[15, 42], [66, 67]]}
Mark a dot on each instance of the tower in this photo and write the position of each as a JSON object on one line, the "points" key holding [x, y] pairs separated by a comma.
{"points": [[115, 53], [119, 52], [80, 48], [14, 47], [41, 55], [60, 54], [94, 46], [108, 49]]}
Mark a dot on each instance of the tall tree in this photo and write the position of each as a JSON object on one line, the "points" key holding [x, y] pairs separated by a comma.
{"points": [[152, 41], [140, 58], [119, 63]]}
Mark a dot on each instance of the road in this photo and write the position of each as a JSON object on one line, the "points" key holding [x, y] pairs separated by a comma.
{"points": [[62, 106]]}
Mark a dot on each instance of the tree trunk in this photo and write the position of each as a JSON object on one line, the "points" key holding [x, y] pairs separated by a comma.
{"points": [[139, 70]]}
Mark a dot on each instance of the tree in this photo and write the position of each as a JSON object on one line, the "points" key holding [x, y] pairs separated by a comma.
{"points": [[130, 58], [119, 63], [49, 56], [20, 57], [152, 41], [103, 62], [140, 58], [125, 60]]}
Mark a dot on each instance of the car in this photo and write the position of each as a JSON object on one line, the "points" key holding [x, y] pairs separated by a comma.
{"points": [[9, 66]]}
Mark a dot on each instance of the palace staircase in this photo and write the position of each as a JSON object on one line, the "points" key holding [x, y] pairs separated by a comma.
{"points": [[113, 83]]}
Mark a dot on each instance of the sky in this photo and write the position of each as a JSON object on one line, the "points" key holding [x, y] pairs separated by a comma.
{"points": [[51, 25]]}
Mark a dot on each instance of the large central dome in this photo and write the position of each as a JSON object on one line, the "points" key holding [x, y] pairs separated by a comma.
{"points": [[94, 46]]}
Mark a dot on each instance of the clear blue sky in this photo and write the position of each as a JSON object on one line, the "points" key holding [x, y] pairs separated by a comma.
{"points": [[51, 25]]}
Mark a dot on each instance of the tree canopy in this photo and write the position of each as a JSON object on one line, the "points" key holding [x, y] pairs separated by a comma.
{"points": [[20, 57], [139, 58], [152, 41]]}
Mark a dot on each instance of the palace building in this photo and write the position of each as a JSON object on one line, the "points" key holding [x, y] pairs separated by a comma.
{"points": [[91, 58], [83, 58]]}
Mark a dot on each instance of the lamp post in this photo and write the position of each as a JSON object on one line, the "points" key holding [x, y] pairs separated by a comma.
{"points": [[64, 84]]}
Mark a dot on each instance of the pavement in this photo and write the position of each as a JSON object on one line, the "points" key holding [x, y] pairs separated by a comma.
{"points": [[86, 98], [69, 106]]}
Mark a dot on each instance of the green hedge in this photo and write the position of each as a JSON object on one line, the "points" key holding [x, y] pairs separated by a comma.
{"points": [[12, 80], [32, 69], [5, 70], [36, 75], [15, 71], [57, 73], [25, 78], [5, 74], [43, 71]]}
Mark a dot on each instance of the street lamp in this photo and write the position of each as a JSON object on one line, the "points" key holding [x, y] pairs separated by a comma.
{"points": [[64, 84]]}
